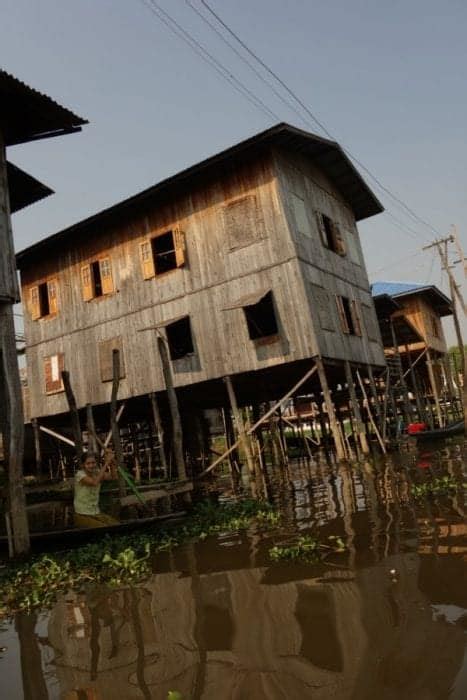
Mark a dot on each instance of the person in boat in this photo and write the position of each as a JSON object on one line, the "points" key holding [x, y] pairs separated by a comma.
{"points": [[88, 480]]}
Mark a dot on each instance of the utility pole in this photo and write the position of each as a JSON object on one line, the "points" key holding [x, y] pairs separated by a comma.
{"points": [[456, 297]]}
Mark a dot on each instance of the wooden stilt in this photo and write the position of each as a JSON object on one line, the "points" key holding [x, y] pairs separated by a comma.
{"points": [[375, 397], [174, 411], [91, 428], [405, 396], [37, 446], [243, 438], [340, 449], [74, 415], [370, 415], [159, 432], [116, 440], [356, 410], [434, 387], [415, 387]]}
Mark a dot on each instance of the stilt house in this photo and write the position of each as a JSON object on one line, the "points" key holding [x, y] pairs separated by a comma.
{"points": [[248, 264]]}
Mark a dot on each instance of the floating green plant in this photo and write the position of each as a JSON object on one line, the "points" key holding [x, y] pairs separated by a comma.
{"points": [[120, 560], [439, 486], [306, 548]]}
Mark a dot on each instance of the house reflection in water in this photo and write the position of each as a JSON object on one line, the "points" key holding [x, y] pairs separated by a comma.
{"points": [[254, 633]]}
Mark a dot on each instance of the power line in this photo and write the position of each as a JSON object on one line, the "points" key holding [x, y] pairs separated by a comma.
{"points": [[269, 70], [199, 49]]}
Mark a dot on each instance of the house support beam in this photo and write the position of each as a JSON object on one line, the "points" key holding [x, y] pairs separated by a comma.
{"points": [[336, 433], [356, 410], [177, 431]]}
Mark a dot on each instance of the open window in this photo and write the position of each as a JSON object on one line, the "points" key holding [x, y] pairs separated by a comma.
{"points": [[349, 316], [261, 318], [179, 338], [331, 235], [53, 368], [162, 253], [96, 279], [43, 299]]}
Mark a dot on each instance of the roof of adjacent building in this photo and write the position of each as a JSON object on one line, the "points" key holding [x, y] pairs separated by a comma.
{"points": [[327, 155], [28, 115], [398, 290], [23, 188]]}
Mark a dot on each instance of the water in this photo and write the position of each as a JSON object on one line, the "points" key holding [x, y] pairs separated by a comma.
{"points": [[218, 620]]}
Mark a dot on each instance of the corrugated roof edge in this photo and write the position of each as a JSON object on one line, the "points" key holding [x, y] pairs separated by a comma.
{"points": [[78, 121], [416, 288], [177, 178]]}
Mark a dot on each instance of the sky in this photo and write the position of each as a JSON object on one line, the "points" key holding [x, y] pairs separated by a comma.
{"points": [[386, 79]]}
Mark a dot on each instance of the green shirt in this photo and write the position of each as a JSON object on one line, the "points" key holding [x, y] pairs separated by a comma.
{"points": [[86, 501]]}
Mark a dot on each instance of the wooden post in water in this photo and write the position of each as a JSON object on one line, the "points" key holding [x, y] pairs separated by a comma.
{"points": [[177, 431], [415, 387], [159, 431], [340, 448], [434, 387], [91, 428], [37, 446], [74, 415], [356, 410], [245, 440], [375, 397], [117, 443]]}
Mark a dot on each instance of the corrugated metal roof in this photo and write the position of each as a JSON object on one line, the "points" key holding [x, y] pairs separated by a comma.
{"points": [[394, 288], [326, 155], [27, 114], [23, 188]]}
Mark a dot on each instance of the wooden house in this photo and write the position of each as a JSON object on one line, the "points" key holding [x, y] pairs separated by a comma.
{"points": [[410, 318], [248, 265]]}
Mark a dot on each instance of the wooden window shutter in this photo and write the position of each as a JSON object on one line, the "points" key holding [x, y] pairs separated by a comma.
{"points": [[106, 276], [340, 308], [147, 260], [34, 303], [106, 348], [86, 282], [321, 229], [52, 294], [338, 240], [53, 368], [356, 317], [179, 245]]}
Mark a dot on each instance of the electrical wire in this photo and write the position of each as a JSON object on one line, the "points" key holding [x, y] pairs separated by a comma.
{"points": [[199, 49], [409, 211]]}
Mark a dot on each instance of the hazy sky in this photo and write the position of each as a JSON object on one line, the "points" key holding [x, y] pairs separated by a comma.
{"points": [[387, 79]]}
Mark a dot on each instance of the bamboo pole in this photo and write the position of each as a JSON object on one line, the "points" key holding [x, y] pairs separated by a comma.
{"points": [[356, 409], [338, 442], [243, 438], [434, 388], [37, 446], [370, 415], [74, 415], [117, 443], [159, 431], [177, 432], [267, 415], [91, 428]]}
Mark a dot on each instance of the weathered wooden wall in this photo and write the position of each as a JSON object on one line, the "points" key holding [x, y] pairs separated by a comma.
{"points": [[326, 274], [9, 290], [217, 274], [424, 317]]}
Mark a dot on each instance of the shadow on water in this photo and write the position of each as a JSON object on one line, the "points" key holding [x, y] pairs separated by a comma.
{"points": [[385, 619]]}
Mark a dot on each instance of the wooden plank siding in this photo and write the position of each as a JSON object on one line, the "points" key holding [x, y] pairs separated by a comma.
{"points": [[215, 275], [425, 319]]}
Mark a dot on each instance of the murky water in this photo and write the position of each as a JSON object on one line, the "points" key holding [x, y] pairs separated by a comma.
{"points": [[218, 620]]}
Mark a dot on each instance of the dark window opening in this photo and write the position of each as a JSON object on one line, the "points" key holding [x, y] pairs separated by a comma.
{"points": [[44, 305], [96, 279], [163, 250], [348, 315], [179, 338], [261, 318], [328, 227]]}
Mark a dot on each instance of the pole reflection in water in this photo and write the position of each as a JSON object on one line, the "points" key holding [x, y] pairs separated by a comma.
{"points": [[385, 619]]}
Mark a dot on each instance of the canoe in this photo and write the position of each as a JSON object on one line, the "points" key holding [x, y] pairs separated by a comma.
{"points": [[81, 534], [440, 433]]}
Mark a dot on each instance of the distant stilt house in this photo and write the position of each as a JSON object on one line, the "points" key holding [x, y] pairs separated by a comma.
{"points": [[247, 268], [410, 319]]}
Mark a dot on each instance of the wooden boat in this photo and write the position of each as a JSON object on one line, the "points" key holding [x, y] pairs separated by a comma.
{"points": [[441, 433], [76, 535]]}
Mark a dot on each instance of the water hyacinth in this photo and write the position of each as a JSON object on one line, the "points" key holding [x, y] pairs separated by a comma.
{"points": [[125, 559]]}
